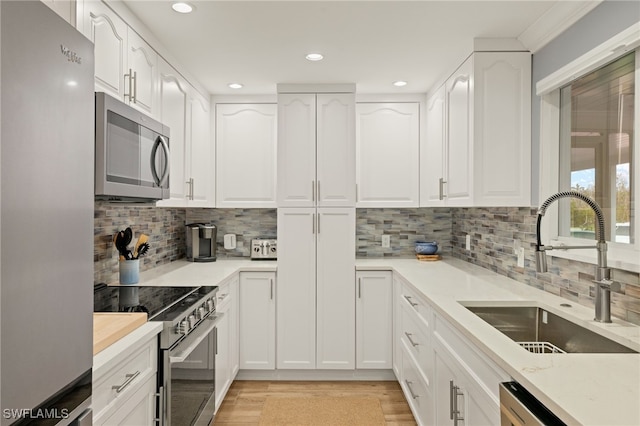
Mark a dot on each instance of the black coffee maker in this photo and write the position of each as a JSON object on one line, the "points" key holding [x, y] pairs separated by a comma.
{"points": [[201, 242]]}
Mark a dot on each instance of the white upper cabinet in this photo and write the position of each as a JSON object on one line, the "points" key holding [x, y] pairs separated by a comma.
{"points": [[109, 35], [479, 122], [316, 150], [432, 159], [246, 155], [387, 146], [188, 116], [142, 75], [335, 150], [126, 67]]}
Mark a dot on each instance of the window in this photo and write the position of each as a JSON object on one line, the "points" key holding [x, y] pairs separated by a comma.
{"points": [[596, 149], [588, 143]]}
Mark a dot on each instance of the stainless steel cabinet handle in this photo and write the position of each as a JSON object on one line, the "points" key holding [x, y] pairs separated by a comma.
{"points": [[190, 192], [451, 399], [414, 344], [359, 288], [409, 300], [128, 77], [413, 395], [442, 182], [192, 188], [130, 378], [313, 223], [271, 287], [313, 190], [135, 87], [318, 191], [215, 339], [318, 223], [160, 419], [453, 403]]}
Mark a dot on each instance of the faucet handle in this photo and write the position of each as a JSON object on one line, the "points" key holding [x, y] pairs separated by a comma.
{"points": [[608, 284]]}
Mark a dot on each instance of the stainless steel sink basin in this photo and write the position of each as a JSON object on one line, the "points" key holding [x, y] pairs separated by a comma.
{"points": [[541, 331]]}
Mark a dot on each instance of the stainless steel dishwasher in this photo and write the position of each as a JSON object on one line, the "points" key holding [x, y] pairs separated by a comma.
{"points": [[519, 408]]}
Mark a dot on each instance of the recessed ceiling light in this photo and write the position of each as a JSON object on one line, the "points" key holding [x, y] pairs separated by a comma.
{"points": [[235, 85], [399, 83], [182, 7], [314, 57]]}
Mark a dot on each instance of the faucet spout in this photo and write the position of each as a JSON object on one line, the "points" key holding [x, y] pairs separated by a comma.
{"points": [[603, 273]]}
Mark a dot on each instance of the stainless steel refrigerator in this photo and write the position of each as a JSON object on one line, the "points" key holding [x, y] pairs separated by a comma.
{"points": [[46, 217]]}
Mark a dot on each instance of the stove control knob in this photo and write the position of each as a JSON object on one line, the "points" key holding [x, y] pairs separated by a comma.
{"points": [[202, 311], [183, 327], [192, 321], [210, 305], [273, 249]]}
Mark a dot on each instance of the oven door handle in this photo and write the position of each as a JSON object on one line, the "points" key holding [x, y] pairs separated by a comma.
{"points": [[191, 342]]}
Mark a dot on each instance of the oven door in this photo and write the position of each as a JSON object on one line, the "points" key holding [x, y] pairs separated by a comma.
{"points": [[189, 377]]}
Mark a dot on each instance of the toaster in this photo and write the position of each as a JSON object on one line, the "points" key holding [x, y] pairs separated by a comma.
{"points": [[264, 249]]}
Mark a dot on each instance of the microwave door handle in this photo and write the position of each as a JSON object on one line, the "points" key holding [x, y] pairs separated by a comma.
{"points": [[160, 141]]}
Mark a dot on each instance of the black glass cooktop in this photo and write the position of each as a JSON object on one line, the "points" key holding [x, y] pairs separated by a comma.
{"points": [[160, 303]]}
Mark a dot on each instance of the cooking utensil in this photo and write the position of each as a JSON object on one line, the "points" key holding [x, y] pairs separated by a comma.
{"points": [[142, 250], [141, 240]]}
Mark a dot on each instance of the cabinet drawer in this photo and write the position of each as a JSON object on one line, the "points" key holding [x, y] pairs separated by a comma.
{"points": [[416, 391], [416, 337], [477, 366], [411, 298], [116, 385], [139, 409]]}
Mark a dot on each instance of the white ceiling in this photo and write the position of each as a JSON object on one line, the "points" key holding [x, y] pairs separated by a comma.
{"points": [[370, 43]]}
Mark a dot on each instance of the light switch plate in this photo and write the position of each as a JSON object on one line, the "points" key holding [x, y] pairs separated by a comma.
{"points": [[229, 241], [520, 252], [386, 241], [468, 242]]}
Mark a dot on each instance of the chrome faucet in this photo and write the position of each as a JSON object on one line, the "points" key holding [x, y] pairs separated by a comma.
{"points": [[603, 281]]}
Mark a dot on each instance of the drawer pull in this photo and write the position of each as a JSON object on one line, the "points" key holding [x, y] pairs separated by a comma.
{"points": [[130, 378], [410, 302], [413, 395], [414, 344]]}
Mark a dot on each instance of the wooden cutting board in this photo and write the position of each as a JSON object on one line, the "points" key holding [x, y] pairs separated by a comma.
{"points": [[109, 327]]}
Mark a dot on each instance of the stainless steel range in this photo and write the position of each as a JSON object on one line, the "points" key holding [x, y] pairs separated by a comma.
{"points": [[188, 344]]}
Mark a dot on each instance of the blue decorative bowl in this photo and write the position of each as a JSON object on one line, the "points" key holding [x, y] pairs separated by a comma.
{"points": [[426, 247]]}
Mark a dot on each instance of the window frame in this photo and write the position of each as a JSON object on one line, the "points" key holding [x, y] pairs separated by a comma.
{"points": [[620, 255]]}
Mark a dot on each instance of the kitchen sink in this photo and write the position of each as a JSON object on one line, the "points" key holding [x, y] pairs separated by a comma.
{"points": [[541, 331]]}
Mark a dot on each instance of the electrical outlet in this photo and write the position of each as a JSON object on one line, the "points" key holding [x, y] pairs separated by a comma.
{"points": [[468, 242], [386, 241], [521, 257]]}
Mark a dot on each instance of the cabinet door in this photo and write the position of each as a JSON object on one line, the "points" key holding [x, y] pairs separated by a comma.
{"points": [[143, 62], [257, 320], [387, 140], [459, 87], [234, 330], [200, 153], [246, 155], [397, 328], [335, 230], [296, 150], [336, 150], [109, 35], [432, 157], [173, 113], [373, 319], [296, 288], [445, 378], [502, 132]]}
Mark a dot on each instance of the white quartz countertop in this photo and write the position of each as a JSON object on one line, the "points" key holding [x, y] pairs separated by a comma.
{"points": [[590, 389]]}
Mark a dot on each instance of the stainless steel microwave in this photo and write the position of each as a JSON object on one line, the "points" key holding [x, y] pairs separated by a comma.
{"points": [[132, 153]]}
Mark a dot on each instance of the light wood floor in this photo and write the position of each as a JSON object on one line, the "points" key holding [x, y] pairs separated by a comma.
{"points": [[243, 403]]}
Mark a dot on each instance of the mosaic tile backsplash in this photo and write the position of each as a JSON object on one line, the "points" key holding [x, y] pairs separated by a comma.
{"points": [[245, 223], [406, 226], [493, 232], [164, 226]]}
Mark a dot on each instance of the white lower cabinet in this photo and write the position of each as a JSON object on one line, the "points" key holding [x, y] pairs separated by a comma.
{"points": [[445, 378], [124, 380], [373, 319], [257, 320], [227, 360]]}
